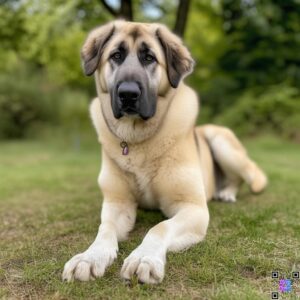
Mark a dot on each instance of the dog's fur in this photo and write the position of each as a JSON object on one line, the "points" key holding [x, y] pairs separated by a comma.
{"points": [[171, 165]]}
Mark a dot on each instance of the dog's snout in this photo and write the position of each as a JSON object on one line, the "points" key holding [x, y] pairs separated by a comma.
{"points": [[129, 91]]}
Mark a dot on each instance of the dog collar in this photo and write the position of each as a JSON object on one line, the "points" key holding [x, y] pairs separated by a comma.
{"points": [[125, 149]]}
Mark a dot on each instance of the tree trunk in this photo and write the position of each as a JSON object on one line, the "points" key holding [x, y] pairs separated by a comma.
{"points": [[126, 11], [181, 17], [109, 8]]}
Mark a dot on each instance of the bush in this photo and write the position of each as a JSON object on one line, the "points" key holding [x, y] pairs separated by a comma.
{"points": [[28, 101], [277, 108], [23, 102]]}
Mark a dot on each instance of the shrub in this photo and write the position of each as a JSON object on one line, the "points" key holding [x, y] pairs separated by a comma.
{"points": [[277, 108], [28, 101], [23, 101]]}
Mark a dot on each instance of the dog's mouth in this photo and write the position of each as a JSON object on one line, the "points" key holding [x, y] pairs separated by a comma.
{"points": [[133, 112], [129, 106], [132, 100], [130, 111]]}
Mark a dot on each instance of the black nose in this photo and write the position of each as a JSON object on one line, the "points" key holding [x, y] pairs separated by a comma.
{"points": [[129, 91]]}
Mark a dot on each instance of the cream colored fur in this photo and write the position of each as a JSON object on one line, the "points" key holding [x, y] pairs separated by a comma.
{"points": [[164, 170]]}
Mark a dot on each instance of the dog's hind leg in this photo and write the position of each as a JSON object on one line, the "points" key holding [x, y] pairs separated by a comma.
{"points": [[233, 160], [228, 192]]}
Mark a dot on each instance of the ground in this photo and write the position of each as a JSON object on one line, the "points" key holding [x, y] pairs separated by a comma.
{"points": [[49, 211]]}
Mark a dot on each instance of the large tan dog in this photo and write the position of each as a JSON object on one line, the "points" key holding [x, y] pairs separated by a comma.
{"points": [[152, 154]]}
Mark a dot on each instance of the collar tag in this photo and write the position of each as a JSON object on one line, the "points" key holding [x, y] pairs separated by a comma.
{"points": [[125, 149]]}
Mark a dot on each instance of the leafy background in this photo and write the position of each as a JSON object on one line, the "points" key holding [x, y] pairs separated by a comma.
{"points": [[247, 54]]}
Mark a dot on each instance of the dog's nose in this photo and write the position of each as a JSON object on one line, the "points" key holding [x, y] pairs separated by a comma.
{"points": [[129, 91]]}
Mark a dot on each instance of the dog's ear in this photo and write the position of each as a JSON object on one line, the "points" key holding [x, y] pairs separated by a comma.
{"points": [[93, 47], [178, 59]]}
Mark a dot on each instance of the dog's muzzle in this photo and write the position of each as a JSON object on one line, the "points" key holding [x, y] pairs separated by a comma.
{"points": [[129, 94], [130, 97]]}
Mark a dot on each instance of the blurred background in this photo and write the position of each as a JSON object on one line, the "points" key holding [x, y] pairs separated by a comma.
{"points": [[247, 55]]}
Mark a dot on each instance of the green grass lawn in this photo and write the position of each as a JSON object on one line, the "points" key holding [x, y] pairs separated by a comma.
{"points": [[49, 211]]}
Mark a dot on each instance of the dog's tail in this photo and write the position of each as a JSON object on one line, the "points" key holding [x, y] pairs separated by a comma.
{"points": [[232, 158]]}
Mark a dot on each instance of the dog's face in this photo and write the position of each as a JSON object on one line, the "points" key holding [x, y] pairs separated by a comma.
{"points": [[132, 83], [135, 64]]}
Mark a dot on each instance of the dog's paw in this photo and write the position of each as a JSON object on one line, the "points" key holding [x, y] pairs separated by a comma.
{"points": [[147, 268], [89, 264], [227, 195]]}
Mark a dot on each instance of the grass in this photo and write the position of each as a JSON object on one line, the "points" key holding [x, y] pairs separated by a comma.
{"points": [[49, 211]]}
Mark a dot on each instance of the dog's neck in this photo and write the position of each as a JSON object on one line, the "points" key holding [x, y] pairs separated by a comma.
{"points": [[170, 120]]}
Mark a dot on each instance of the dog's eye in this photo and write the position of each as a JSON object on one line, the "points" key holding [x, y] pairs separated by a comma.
{"points": [[116, 56], [149, 58]]}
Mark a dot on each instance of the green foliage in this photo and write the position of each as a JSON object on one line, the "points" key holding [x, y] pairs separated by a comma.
{"points": [[262, 42], [242, 49], [49, 35], [12, 19], [24, 101], [276, 108], [73, 109], [28, 101], [248, 71]]}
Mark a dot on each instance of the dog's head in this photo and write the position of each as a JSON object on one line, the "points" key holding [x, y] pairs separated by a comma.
{"points": [[135, 64]]}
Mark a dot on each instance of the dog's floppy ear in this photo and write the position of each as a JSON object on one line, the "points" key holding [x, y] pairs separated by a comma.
{"points": [[93, 47], [178, 58]]}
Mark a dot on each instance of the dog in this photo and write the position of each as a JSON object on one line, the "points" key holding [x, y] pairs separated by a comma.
{"points": [[153, 156]]}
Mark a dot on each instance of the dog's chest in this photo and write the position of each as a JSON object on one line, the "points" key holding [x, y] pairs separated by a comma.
{"points": [[141, 169], [145, 190]]}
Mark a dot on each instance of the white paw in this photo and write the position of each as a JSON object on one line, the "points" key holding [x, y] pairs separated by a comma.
{"points": [[227, 195], [147, 268], [89, 264]]}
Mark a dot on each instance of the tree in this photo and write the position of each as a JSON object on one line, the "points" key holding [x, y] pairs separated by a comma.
{"points": [[181, 19], [262, 42], [126, 11]]}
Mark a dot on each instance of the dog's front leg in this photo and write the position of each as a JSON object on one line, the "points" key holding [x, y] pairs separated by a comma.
{"points": [[117, 219], [187, 227]]}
